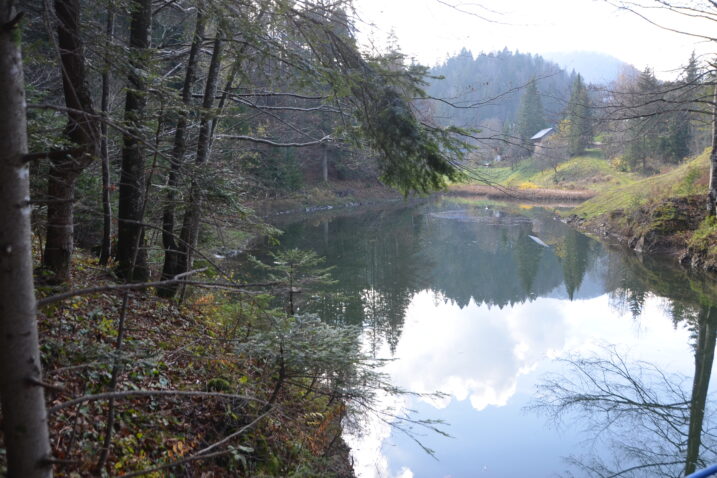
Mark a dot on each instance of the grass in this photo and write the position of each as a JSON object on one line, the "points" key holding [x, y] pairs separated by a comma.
{"points": [[685, 180], [704, 237], [589, 171]]}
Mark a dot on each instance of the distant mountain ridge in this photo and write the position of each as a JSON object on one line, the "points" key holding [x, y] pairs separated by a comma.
{"points": [[596, 68]]}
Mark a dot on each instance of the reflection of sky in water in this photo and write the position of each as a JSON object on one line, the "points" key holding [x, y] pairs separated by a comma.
{"points": [[488, 361], [472, 305]]}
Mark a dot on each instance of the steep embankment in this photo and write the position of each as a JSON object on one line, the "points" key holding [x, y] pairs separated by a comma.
{"points": [[190, 378], [663, 214]]}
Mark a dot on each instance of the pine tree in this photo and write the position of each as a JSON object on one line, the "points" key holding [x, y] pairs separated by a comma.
{"points": [[579, 117], [22, 401], [679, 133], [644, 141], [530, 116]]}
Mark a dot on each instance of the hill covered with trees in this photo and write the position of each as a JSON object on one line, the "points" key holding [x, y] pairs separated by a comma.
{"points": [[485, 90]]}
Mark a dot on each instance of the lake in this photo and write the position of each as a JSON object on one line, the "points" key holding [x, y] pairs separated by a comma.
{"points": [[502, 309]]}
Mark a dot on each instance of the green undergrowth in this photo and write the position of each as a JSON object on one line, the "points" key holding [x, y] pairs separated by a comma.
{"points": [[705, 238], [282, 409], [688, 179]]}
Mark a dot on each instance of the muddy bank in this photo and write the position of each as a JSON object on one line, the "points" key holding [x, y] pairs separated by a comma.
{"points": [[349, 195], [673, 227], [336, 195]]}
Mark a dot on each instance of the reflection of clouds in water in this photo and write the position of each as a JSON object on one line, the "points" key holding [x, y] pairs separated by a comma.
{"points": [[480, 353], [405, 473], [474, 353], [366, 444]]}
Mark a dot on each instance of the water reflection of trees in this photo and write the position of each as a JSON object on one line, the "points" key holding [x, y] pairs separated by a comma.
{"points": [[491, 262], [471, 254], [650, 422], [659, 425], [379, 268], [656, 424]]}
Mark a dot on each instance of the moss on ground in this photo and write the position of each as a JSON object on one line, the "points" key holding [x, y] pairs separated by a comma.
{"points": [[705, 238]]}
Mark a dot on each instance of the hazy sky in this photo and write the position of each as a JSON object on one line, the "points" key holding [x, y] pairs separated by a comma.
{"points": [[430, 30]]}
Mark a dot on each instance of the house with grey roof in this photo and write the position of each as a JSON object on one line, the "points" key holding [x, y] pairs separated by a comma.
{"points": [[541, 135]]}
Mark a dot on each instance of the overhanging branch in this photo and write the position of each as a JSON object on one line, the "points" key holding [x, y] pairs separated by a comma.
{"points": [[276, 144]]}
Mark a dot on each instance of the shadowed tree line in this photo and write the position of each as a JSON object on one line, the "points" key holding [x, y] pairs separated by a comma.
{"points": [[138, 124]]}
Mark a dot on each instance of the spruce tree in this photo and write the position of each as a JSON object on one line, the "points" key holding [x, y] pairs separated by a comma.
{"points": [[530, 116], [644, 128], [679, 133], [579, 116]]}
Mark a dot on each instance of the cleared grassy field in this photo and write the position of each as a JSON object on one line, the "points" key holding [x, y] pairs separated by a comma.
{"points": [[688, 179], [590, 171]]}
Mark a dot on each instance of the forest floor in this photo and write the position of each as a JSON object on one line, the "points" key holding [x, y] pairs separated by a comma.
{"points": [[190, 348]]}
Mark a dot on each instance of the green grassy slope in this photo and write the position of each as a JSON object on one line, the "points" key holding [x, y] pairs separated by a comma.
{"points": [[589, 171], [688, 179]]}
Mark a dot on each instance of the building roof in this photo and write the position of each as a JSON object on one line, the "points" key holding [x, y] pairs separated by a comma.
{"points": [[542, 134]]}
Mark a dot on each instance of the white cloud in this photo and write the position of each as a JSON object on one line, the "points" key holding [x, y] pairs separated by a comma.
{"points": [[430, 30], [474, 353], [487, 355]]}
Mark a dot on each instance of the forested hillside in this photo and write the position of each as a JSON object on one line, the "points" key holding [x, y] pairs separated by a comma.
{"points": [[137, 136], [487, 88]]}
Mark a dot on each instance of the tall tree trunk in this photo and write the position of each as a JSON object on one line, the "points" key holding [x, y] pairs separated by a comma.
{"points": [[23, 402], [704, 357], [325, 163], [131, 255], [82, 129], [172, 251], [190, 224], [106, 249], [712, 195]]}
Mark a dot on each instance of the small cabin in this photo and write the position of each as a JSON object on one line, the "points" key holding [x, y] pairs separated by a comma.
{"points": [[541, 135]]}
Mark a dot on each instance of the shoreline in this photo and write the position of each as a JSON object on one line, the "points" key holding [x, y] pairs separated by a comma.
{"points": [[532, 194], [664, 228]]}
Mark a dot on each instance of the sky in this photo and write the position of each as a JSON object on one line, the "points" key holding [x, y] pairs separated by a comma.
{"points": [[503, 354], [431, 30]]}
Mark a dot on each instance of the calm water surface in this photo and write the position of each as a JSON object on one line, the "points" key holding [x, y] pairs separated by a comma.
{"points": [[484, 303]]}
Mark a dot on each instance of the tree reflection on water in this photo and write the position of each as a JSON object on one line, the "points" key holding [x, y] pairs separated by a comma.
{"points": [[654, 423]]}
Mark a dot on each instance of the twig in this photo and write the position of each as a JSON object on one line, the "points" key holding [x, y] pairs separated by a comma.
{"points": [[147, 393], [145, 285], [94, 290], [48, 386], [116, 370], [274, 143]]}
